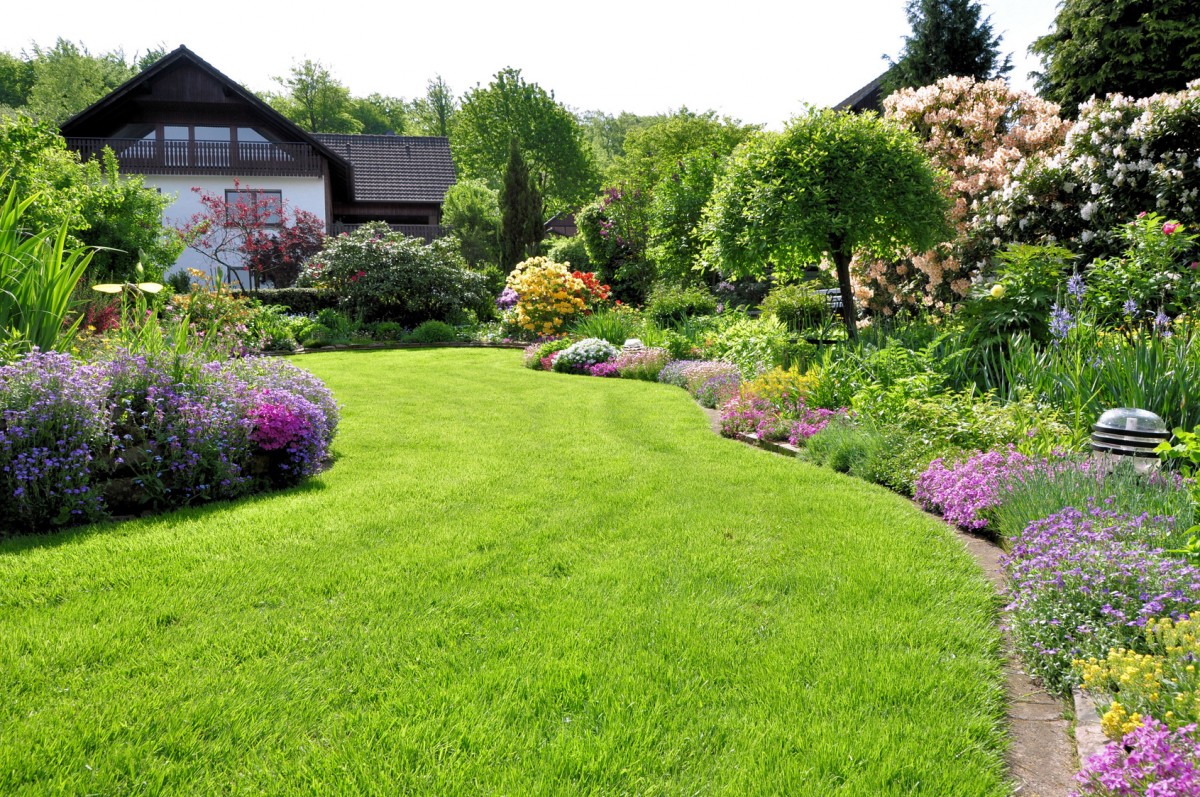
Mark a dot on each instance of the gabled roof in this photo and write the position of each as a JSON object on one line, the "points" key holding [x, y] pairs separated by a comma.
{"points": [[136, 85], [395, 168], [868, 98]]}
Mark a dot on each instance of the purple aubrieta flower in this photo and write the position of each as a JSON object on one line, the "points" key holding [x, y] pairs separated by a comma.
{"points": [[1097, 572]]}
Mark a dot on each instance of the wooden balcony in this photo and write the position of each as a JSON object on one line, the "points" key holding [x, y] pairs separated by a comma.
{"points": [[245, 158], [427, 232]]}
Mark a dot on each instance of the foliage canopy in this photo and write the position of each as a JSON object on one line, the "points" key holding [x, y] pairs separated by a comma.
{"points": [[1134, 47], [830, 185]]}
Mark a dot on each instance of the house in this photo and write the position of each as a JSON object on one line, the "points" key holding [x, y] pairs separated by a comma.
{"points": [[183, 125], [562, 224], [869, 98]]}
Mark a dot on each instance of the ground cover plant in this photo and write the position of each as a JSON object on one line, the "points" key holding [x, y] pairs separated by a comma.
{"points": [[511, 582]]}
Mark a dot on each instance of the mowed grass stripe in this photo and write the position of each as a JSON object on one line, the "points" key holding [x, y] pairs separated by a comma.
{"points": [[510, 583]]}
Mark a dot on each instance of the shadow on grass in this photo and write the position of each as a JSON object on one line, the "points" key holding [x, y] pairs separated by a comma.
{"points": [[36, 540]]}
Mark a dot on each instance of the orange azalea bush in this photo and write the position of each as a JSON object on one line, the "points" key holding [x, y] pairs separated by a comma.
{"points": [[977, 132], [550, 296]]}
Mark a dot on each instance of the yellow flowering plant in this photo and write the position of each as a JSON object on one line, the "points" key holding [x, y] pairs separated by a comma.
{"points": [[1163, 684], [550, 297]]}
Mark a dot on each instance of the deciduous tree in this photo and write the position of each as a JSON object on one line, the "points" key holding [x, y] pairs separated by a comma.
{"points": [[379, 115], [433, 114], [472, 210], [548, 135], [255, 231], [830, 185], [315, 100]]}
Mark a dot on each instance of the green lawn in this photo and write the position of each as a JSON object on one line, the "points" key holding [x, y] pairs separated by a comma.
{"points": [[512, 583]]}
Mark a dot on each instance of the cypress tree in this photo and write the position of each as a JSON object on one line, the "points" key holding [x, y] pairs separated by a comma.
{"points": [[948, 38], [521, 207]]}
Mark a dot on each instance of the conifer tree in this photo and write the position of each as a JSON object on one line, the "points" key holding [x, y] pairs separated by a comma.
{"points": [[521, 205], [949, 37], [1135, 47]]}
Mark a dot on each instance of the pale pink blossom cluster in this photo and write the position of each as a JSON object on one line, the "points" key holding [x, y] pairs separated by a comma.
{"points": [[977, 132]]}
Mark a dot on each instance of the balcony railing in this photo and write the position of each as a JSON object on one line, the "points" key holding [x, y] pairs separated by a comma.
{"points": [[426, 231], [250, 158]]}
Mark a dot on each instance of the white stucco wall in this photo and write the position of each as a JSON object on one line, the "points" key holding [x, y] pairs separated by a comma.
{"points": [[299, 193]]}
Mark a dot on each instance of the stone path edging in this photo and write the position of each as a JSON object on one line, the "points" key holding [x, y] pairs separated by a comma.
{"points": [[1089, 738], [1041, 758]]}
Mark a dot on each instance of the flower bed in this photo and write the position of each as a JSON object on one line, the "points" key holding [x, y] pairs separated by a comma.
{"points": [[82, 441], [1085, 581]]}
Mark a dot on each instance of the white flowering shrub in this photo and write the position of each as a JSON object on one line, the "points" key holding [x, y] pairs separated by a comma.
{"points": [[1123, 157], [584, 354]]}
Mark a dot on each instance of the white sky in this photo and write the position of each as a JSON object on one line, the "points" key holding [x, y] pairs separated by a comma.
{"points": [[754, 60]]}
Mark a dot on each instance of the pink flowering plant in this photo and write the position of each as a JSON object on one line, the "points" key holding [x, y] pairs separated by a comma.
{"points": [[1150, 761], [977, 132], [963, 492]]}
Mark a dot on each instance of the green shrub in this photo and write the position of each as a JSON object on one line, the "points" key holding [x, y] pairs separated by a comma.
{"points": [[273, 326], [38, 275], [1026, 287], [432, 332], [616, 325], [381, 275], [753, 345], [535, 353], [315, 334], [672, 304], [841, 445], [572, 251], [797, 306], [304, 301], [387, 330], [895, 460], [337, 323]]}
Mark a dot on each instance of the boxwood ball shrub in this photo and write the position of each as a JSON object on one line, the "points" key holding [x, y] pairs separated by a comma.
{"points": [[378, 274], [582, 355], [432, 332]]}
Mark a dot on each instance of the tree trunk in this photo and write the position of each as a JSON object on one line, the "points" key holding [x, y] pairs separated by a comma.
{"points": [[841, 259]]}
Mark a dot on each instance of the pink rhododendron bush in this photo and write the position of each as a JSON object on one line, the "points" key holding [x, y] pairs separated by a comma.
{"points": [[977, 132]]}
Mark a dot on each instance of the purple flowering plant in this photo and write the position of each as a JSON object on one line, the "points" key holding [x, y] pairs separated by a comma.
{"points": [[1151, 760], [53, 420], [1082, 582], [152, 429]]}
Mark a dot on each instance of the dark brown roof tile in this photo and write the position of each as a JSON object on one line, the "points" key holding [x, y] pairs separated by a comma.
{"points": [[395, 168]]}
